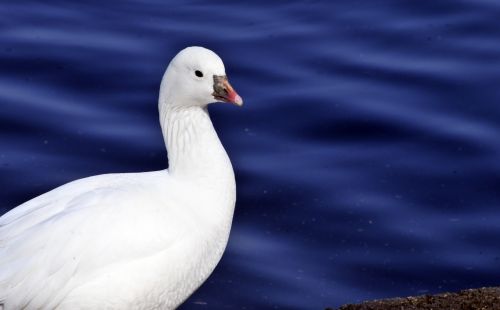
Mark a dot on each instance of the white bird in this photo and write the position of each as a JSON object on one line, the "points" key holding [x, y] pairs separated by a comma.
{"points": [[133, 240]]}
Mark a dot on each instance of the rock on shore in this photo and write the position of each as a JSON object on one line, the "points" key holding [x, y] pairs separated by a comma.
{"points": [[486, 298]]}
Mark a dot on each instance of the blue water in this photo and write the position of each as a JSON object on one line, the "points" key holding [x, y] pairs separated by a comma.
{"points": [[367, 154]]}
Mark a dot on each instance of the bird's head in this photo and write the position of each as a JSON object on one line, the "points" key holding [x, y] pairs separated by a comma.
{"points": [[196, 77]]}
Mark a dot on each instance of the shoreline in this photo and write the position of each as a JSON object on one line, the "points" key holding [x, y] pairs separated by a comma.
{"points": [[485, 298]]}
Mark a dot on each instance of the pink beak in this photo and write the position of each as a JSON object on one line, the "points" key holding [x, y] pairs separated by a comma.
{"points": [[223, 91], [232, 95]]}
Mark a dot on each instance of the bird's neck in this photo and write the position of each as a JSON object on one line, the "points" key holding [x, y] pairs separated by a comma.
{"points": [[194, 149]]}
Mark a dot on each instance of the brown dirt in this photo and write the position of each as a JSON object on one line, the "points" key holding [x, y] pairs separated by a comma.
{"points": [[487, 298]]}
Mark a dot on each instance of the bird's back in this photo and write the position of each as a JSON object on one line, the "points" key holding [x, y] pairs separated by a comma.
{"points": [[100, 238]]}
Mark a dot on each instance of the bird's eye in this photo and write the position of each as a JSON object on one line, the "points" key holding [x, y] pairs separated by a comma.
{"points": [[198, 73]]}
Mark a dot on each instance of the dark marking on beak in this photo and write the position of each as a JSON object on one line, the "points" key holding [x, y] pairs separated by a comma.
{"points": [[223, 91]]}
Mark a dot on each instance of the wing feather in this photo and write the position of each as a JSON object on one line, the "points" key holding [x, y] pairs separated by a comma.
{"points": [[59, 240]]}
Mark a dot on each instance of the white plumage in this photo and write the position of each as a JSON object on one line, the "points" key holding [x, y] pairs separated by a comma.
{"points": [[136, 240]]}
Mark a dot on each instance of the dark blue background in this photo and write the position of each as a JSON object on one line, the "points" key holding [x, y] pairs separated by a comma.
{"points": [[366, 155]]}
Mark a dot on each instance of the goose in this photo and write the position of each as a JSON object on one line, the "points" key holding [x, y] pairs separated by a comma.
{"points": [[133, 240]]}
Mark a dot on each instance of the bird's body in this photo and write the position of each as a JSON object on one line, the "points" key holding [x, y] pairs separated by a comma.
{"points": [[126, 241]]}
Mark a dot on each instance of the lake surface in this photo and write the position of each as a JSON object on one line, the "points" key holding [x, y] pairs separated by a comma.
{"points": [[367, 154]]}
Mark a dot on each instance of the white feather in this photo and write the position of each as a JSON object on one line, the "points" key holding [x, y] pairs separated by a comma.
{"points": [[129, 241]]}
